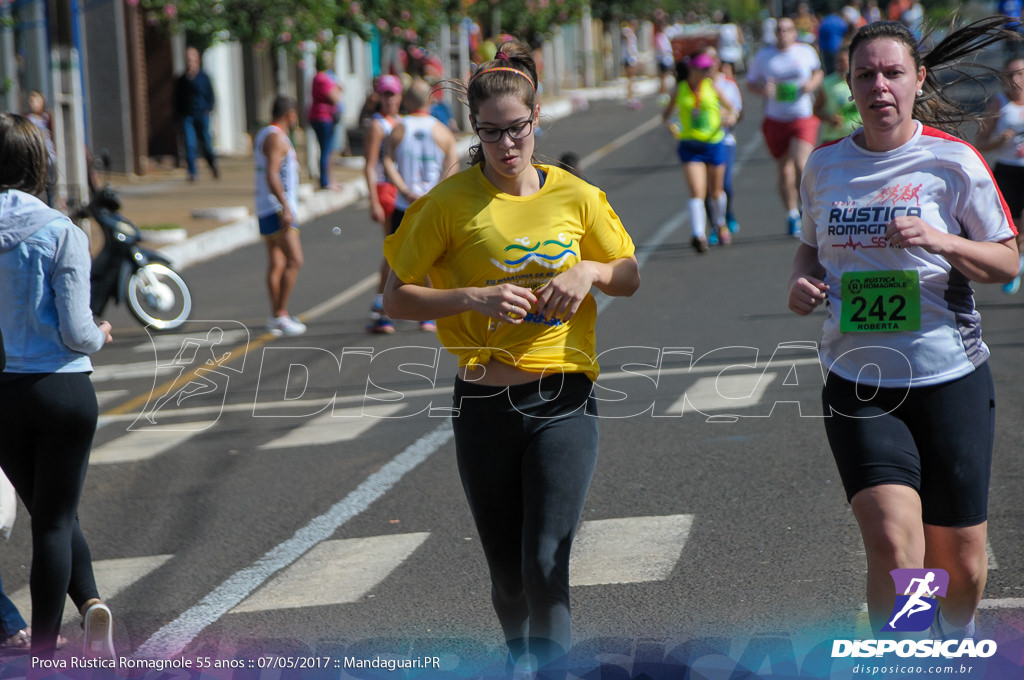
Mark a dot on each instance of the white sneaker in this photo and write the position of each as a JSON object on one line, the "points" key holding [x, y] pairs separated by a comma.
{"points": [[285, 325], [99, 632]]}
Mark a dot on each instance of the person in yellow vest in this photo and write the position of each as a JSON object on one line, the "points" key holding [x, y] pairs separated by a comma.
{"points": [[703, 114]]}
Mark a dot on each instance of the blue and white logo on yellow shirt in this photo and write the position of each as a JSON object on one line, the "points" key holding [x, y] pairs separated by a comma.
{"points": [[551, 254]]}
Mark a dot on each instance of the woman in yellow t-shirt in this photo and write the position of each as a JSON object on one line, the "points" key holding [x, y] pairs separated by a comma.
{"points": [[512, 250]]}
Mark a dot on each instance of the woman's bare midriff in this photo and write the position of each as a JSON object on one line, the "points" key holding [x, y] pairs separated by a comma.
{"points": [[497, 373]]}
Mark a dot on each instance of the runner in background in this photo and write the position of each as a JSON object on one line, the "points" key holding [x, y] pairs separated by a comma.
{"points": [[382, 193], [703, 114], [421, 152], [787, 76], [630, 61], [725, 82], [833, 103], [1002, 131]]}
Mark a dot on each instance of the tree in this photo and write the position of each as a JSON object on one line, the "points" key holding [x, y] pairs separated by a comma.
{"points": [[287, 23], [531, 21]]}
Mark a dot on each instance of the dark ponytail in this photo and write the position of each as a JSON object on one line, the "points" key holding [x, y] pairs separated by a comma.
{"points": [[935, 107]]}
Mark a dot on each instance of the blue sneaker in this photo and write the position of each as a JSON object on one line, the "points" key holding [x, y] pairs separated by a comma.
{"points": [[733, 225], [793, 226], [1012, 287], [713, 238], [382, 326]]}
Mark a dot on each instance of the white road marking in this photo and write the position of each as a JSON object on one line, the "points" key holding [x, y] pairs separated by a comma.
{"points": [[136, 369], [106, 397], [338, 425], [335, 572], [112, 576], [723, 393], [139, 445], [442, 390], [628, 550], [170, 640], [172, 343]]}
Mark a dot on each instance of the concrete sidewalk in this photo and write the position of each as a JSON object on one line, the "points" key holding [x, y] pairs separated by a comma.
{"points": [[211, 216]]}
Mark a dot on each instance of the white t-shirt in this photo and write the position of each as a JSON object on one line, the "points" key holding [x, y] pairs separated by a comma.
{"points": [[730, 90], [789, 69], [729, 47], [1011, 117], [849, 194]]}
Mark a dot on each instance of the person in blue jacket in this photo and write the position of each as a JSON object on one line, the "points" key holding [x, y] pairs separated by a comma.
{"points": [[48, 407]]}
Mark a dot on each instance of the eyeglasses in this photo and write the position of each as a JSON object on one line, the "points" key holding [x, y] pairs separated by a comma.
{"points": [[517, 131]]}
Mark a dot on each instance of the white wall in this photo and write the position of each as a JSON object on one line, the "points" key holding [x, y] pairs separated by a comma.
{"points": [[223, 63]]}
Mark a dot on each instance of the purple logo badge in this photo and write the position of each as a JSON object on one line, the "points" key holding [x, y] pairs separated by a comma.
{"points": [[916, 590]]}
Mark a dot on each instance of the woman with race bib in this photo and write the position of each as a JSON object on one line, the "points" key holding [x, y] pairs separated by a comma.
{"points": [[899, 218]]}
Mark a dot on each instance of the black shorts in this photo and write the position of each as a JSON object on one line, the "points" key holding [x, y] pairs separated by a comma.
{"points": [[396, 220], [936, 439], [1010, 180]]}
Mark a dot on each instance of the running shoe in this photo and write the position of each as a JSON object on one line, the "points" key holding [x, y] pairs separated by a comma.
{"points": [[1012, 287], [724, 236], [713, 238], [285, 325], [699, 244], [99, 632], [376, 311], [634, 104], [733, 225], [793, 226], [942, 631], [428, 326], [382, 326]]}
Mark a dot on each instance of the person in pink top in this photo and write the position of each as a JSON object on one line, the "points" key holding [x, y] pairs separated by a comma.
{"points": [[322, 111]]}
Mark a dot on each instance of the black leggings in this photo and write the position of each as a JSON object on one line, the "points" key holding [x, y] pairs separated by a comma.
{"points": [[526, 455], [48, 421]]}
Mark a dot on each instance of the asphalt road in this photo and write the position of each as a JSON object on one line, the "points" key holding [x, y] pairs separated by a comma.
{"points": [[716, 529]]}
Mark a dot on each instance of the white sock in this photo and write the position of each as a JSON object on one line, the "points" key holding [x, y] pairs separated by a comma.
{"points": [[379, 299], [794, 214], [718, 209], [967, 630], [698, 217]]}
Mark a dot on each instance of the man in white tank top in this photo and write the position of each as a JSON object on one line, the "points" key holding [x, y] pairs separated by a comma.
{"points": [[421, 151], [277, 205]]}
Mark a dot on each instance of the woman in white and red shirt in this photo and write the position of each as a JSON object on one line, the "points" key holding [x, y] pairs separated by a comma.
{"points": [[898, 219]]}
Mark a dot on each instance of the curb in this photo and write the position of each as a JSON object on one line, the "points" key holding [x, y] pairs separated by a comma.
{"points": [[244, 231]]}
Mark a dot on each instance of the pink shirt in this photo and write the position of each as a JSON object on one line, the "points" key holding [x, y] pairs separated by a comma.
{"points": [[322, 109]]}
